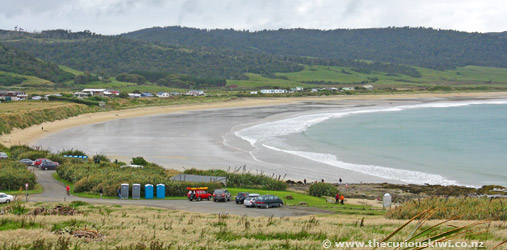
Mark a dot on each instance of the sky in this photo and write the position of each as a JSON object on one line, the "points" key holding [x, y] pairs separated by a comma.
{"points": [[120, 16]]}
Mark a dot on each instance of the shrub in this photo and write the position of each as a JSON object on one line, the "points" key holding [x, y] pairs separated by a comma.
{"points": [[13, 176], [56, 158], [71, 152], [33, 154], [244, 180], [101, 158], [17, 150], [323, 189], [139, 161]]}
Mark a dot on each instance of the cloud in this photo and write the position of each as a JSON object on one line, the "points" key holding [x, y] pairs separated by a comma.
{"points": [[118, 16]]}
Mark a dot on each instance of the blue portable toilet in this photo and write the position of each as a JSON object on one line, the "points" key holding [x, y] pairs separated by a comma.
{"points": [[148, 191], [160, 191]]}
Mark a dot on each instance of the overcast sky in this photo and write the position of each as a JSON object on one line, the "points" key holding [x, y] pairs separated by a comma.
{"points": [[118, 16]]}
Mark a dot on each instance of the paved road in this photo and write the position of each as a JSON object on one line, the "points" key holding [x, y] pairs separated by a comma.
{"points": [[54, 191]]}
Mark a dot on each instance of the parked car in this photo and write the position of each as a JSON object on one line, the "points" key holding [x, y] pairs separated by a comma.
{"points": [[48, 165], [250, 200], [27, 162], [221, 195], [5, 198], [199, 193], [240, 197], [3, 155], [38, 162], [267, 201]]}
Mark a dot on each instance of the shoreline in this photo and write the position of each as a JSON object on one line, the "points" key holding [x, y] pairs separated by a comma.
{"points": [[28, 136]]}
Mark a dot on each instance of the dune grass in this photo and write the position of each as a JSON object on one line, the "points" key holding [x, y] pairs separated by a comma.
{"points": [[130, 227]]}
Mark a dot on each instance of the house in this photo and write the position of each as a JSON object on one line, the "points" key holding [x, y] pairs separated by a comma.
{"points": [[95, 92], [111, 92], [348, 89], [254, 92], [174, 93], [300, 88], [13, 95], [368, 87], [195, 92], [267, 91], [315, 90], [199, 178], [147, 94], [163, 94], [81, 94], [134, 95], [281, 91]]}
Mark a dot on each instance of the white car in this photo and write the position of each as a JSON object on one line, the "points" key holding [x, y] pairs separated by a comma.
{"points": [[3, 155], [5, 198], [250, 200]]}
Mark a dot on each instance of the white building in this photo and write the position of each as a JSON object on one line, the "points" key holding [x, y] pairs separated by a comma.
{"points": [[195, 92], [94, 92], [348, 89], [368, 87], [254, 92], [81, 94]]}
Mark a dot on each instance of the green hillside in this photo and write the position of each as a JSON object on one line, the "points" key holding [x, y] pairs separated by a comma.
{"points": [[332, 76], [22, 63], [424, 47]]}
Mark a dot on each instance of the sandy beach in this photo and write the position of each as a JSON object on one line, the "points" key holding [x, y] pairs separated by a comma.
{"points": [[34, 133], [202, 135]]}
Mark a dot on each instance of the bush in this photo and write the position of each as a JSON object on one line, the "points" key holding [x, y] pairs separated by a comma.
{"points": [[89, 177], [101, 158], [323, 189], [13, 176], [17, 150], [139, 161], [244, 180], [32, 155], [56, 158], [72, 152]]}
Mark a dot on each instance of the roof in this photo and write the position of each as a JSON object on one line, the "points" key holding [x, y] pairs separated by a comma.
{"points": [[94, 90], [198, 178]]}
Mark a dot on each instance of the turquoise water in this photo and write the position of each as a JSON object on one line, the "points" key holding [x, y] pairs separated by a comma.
{"points": [[467, 144]]}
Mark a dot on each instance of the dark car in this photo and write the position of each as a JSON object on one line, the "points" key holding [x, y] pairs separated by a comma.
{"points": [[267, 201], [48, 165], [27, 162], [240, 197], [221, 195]]}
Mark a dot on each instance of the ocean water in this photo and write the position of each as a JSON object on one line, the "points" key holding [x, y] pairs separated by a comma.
{"points": [[449, 143]]}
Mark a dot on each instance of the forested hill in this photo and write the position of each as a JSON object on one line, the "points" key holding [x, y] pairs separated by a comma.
{"points": [[425, 47], [19, 62], [110, 55]]}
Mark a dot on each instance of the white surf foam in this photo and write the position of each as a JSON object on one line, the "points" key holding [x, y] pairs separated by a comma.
{"points": [[263, 134]]}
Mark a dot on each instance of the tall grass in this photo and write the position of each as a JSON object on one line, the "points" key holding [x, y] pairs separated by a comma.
{"points": [[446, 208], [244, 179]]}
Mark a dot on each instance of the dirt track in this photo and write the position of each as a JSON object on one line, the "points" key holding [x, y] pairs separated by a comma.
{"points": [[54, 191]]}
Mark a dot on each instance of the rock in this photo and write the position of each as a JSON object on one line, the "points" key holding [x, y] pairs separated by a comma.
{"points": [[289, 197], [302, 203]]}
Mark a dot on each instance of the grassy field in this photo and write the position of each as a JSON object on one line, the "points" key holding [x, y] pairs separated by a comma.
{"points": [[469, 76], [37, 190], [132, 227]]}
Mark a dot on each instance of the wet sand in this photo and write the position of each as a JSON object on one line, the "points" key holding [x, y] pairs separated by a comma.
{"points": [[204, 138]]}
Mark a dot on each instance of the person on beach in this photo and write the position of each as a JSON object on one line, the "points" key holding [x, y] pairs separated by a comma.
{"points": [[340, 180], [100, 192], [341, 199], [304, 181], [337, 198], [119, 193], [322, 180], [68, 189]]}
